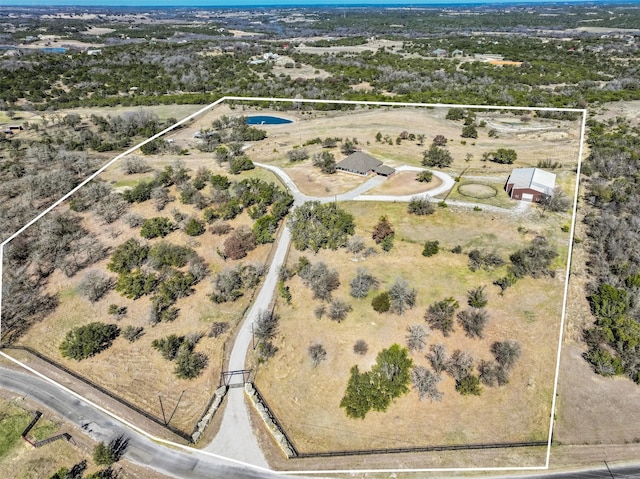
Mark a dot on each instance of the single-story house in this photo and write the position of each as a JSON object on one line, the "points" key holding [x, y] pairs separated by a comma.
{"points": [[439, 52], [362, 164], [530, 184]]}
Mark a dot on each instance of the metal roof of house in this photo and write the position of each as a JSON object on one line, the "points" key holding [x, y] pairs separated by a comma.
{"points": [[359, 162], [533, 178]]}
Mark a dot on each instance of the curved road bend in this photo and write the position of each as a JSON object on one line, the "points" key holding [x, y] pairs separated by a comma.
{"points": [[180, 463]]}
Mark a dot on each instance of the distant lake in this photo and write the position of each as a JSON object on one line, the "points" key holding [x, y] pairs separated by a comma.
{"points": [[266, 120]]}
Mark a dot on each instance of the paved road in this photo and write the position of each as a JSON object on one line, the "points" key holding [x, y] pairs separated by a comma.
{"points": [[174, 462]]}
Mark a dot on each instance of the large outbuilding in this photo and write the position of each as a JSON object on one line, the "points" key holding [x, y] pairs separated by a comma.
{"points": [[530, 184], [362, 164]]}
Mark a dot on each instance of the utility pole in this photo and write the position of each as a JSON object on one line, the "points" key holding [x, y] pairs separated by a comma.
{"points": [[610, 473], [164, 418]]}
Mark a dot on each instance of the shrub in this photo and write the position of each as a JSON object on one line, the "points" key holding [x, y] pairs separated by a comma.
{"points": [[431, 248], [189, 363], [506, 353], [194, 227], [317, 353], [426, 383], [469, 385], [218, 328], [420, 206], [156, 227], [132, 333], [136, 283], [382, 230], [315, 225], [86, 341], [469, 131], [361, 283], [504, 156], [477, 298], [381, 303], [425, 176], [360, 347], [320, 279], [139, 193], [439, 140], [455, 114]]}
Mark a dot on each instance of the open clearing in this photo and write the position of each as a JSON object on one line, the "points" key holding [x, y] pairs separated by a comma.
{"points": [[306, 399]]}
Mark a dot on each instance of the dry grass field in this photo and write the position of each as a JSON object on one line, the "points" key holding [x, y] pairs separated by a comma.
{"points": [[135, 371], [306, 399]]}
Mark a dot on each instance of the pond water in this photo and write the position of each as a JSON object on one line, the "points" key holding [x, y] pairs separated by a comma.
{"points": [[266, 120], [53, 50]]}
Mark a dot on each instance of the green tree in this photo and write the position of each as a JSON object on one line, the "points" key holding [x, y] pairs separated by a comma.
{"points": [[156, 227], [86, 341], [388, 379], [455, 114], [130, 254], [437, 156], [315, 225], [505, 156], [382, 302], [469, 131]]}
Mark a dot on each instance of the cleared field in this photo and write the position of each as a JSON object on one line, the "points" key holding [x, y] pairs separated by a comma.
{"points": [[306, 398]]}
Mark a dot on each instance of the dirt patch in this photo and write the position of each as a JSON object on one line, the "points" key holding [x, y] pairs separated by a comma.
{"points": [[477, 190], [313, 182], [405, 183]]}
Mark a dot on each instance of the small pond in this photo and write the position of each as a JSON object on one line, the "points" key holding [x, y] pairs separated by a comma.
{"points": [[266, 120]]}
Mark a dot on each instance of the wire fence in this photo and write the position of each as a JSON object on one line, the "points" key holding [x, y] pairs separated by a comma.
{"points": [[90, 383]]}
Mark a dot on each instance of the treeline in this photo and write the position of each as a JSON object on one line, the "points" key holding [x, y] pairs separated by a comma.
{"points": [[613, 196]]}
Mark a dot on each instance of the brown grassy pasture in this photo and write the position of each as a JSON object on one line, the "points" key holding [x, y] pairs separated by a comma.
{"points": [[135, 371], [306, 399]]}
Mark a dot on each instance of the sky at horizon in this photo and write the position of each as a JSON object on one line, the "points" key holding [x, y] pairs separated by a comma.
{"points": [[267, 3]]}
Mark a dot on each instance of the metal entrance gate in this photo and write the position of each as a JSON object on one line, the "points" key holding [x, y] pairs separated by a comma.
{"points": [[227, 378]]}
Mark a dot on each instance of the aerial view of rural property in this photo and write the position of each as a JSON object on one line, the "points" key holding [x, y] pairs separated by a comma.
{"points": [[276, 239]]}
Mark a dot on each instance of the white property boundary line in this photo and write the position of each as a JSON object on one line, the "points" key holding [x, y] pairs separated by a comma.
{"points": [[343, 102]]}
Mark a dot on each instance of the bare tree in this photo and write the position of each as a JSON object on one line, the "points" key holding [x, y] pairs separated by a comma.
{"points": [[438, 358], [473, 321], [134, 164], [460, 365], [402, 296], [506, 353], [415, 337], [426, 383], [440, 315], [95, 285], [320, 279], [355, 245], [361, 283], [338, 309], [556, 201], [317, 353], [492, 374], [266, 325]]}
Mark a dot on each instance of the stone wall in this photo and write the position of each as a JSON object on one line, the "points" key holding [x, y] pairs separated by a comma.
{"points": [[269, 421], [206, 419]]}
